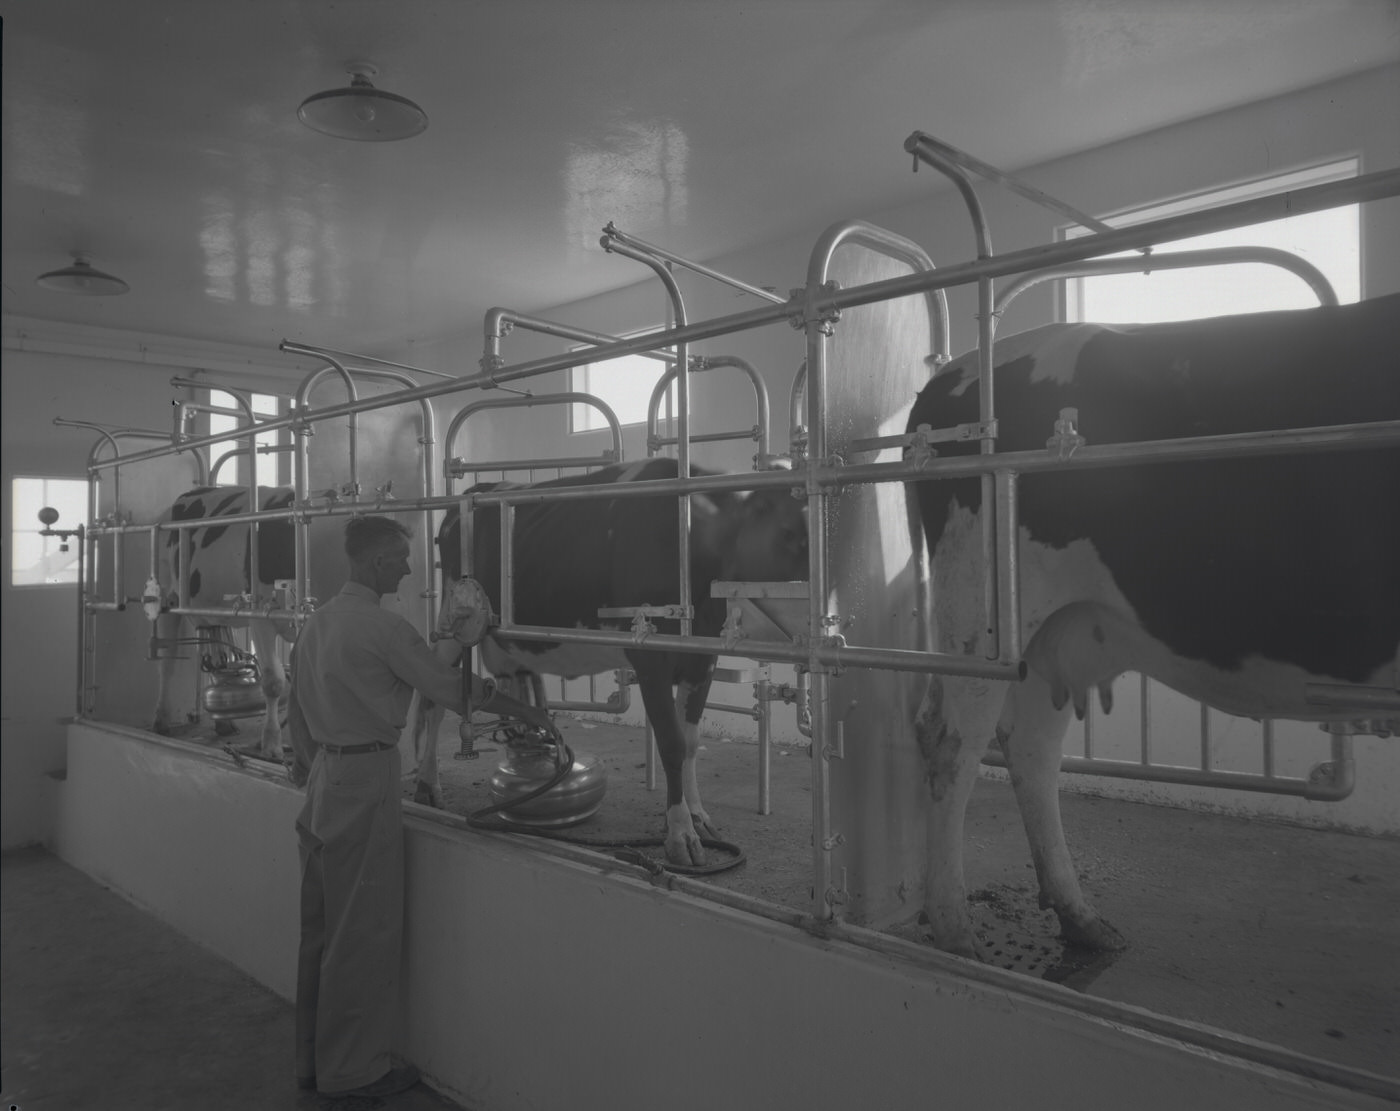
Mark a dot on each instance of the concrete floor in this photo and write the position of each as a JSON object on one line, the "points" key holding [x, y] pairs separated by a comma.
{"points": [[104, 1006]]}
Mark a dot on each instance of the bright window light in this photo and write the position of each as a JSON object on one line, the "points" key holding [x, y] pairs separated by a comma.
{"points": [[1330, 240], [37, 560], [270, 468], [625, 385]]}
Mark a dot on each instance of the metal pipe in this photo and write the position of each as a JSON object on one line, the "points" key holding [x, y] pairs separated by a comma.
{"points": [[263, 449], [1176, 260], [569, 398], [1191, 777], [893, 246], [668, 280], [1367, 187], [327, 353], [612, 236], [819, 703], [455, 468], [427, 437], [1328, 438], [823, 655], [943, 158], [759, 432], [303, 397], [499, 322], [923, 145]]}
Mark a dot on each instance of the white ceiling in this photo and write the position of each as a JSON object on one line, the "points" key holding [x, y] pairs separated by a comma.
{"points": [[161, 137]]}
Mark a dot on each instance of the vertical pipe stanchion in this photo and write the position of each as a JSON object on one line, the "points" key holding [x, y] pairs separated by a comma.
{"points": [[762, 704], [82, 611], [1008, 610], [466, 532], [682, 357], [820, 696]]}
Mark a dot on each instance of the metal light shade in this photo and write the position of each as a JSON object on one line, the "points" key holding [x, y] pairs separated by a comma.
{"points": [[363, 112], [81, 279]]}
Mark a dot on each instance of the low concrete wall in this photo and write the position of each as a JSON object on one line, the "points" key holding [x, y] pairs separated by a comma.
{"points": [[538, 978]]}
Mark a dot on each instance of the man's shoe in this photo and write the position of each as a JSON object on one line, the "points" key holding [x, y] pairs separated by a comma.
{"points": [[390, 1084], [307, 1083]]}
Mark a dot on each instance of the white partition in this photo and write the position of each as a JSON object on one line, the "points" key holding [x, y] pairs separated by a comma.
{"points": [[543, 979]]}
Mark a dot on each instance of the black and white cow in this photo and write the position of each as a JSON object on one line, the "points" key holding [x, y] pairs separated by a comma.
{"points": [[1233, 581], [574, 558], [218, 558]]}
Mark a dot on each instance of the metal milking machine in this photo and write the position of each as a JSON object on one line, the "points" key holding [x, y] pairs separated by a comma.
{"points": [[539, 784]]}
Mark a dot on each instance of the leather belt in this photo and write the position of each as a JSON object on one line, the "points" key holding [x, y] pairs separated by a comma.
{"points": [[356, 750]]}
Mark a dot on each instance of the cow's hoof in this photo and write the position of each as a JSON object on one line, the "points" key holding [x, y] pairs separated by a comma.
{"points": [[425, 795], [160, 729], [225, 729], [1092, 933], [685, 851]]}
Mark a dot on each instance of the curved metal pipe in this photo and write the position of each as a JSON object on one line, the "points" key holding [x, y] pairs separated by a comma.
{"points": [[682, 414], [571, 398], [760, 430], [499, 322], [309, 383], [1176, 260], [612, 236]]}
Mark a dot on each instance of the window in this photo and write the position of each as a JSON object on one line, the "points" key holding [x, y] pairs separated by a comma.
{"points": [[624, 385], [37, 560], [272, 470], [1330, 240]]}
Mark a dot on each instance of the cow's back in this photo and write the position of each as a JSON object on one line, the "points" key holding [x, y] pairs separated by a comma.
{"points": [[218, 554], [1289, 557]]}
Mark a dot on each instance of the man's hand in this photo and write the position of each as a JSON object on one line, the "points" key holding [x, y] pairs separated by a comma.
{"points": [[539, 719]]}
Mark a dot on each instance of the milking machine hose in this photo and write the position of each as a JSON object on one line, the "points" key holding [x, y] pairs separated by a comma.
{"points": [[626, 850]]}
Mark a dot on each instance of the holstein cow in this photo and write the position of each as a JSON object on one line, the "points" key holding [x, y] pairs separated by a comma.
{"points": [[218, 561], [574, 558], [1235, 581]]}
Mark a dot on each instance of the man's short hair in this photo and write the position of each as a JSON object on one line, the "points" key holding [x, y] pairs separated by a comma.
{"points": [[365, 536]]}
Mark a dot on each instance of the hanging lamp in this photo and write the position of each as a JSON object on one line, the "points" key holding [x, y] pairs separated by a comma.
{"points": [[362, 112], [81, 280]]}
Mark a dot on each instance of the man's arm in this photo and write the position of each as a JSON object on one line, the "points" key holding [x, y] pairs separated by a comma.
{"points": [[417, 665]]}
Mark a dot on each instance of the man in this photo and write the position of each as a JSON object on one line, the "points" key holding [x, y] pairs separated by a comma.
{"points": [[355, 668]]}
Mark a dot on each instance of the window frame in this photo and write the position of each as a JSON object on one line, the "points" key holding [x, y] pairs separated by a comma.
{"points": [[16, 529], [578, 382], [281, 461], [1071, 297]]}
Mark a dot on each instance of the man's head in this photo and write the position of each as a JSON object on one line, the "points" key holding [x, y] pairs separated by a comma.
{"points": [[377, 548]]}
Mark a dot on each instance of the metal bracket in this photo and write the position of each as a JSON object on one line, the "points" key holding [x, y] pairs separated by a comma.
{"points": [[733, 629], [1066, 440], [922, 437], [824, 320]]}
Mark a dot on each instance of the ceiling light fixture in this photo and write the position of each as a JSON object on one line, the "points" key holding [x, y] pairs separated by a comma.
{"points": [[81, 279], [361, 111]]}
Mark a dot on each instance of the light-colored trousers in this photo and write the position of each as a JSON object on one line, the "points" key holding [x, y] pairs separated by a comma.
{"points": [[352, 862]]}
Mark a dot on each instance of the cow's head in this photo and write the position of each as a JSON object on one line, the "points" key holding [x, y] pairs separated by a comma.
{"points": [[767, 537]]}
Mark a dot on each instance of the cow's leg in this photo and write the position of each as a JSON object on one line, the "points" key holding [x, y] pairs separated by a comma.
{"points": [[425, 722], [691, 696], [654, 678], [273, 679], [167, 628], [953, 727], [1031, 733]]}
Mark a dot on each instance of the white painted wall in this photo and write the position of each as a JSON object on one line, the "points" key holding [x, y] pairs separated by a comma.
{"points": [[537, 980]]}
